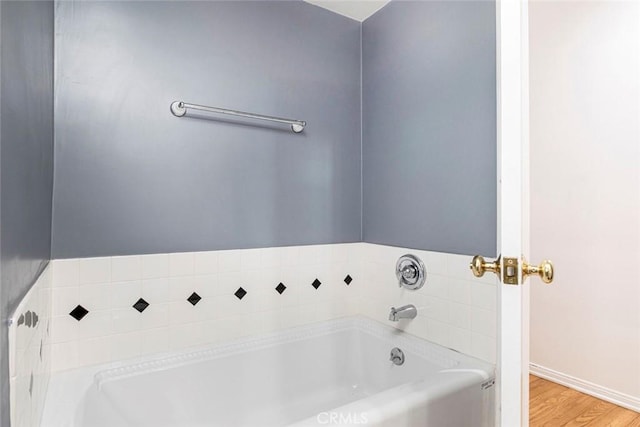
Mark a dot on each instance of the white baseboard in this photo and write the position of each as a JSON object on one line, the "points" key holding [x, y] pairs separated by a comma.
{"points": [[587, 387]]}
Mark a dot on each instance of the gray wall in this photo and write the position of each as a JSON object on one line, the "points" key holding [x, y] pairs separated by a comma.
{"points": [[429, 126], [26, 158], [131, 178]]}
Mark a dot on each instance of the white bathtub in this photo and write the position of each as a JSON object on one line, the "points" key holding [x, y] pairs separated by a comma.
{"points": [[331, 373]]}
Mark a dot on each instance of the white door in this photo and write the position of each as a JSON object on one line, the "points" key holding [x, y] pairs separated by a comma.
{"points": [[513, 300], [513, 219]]}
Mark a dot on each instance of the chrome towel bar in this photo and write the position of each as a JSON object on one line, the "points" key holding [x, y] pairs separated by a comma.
{"points": [[179, 109]]}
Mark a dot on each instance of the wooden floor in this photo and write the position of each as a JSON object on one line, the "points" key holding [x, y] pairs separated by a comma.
{"points": [[552, 405]]}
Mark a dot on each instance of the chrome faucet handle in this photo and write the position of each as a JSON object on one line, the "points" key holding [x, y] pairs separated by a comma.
{"points": [[409, 272]]}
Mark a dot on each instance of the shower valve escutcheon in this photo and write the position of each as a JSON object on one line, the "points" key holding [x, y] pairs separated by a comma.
{"points": [[507, 269], [411, 272]]}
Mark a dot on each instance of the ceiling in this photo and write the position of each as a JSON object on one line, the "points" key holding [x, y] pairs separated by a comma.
{"points": [[354, 9]]}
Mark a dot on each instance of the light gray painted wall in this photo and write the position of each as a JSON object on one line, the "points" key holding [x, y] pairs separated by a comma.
{"points": [[131, 178], [429, 126], [26, 158]]}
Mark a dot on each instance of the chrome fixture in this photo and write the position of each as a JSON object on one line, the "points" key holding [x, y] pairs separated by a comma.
{"points": [[410, 272], [405, 312], [179, 109], [396, 356]]}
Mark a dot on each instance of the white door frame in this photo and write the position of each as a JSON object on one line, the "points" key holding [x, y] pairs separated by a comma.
{"points": [[513, 209]]}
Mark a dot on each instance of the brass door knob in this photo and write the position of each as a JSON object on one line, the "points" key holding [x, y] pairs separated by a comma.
{"points": [[479, 266], [544, 270]]}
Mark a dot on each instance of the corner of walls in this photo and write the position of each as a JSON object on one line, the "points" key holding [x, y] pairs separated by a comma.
{"points": [[455, 309], [26, 139], [361, 145], [4, 409], [4, 338], [30, 353], [429, 126], [413, 134]]}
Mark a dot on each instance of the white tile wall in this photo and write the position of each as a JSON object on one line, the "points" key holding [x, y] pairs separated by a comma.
{"points": [[108, 287], [455, 309], [30, 353]]}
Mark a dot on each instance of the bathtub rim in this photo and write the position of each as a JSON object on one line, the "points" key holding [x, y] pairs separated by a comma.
{"points": [[443, 357]]}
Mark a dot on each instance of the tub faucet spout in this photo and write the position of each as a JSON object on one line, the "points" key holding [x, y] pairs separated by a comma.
{"points": [[405, 312]]}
